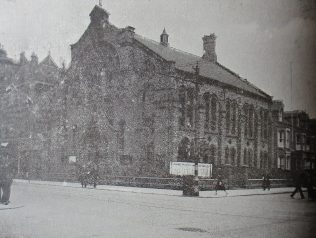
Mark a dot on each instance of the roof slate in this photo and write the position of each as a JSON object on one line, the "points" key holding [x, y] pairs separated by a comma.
{"points": [[185, 61]]}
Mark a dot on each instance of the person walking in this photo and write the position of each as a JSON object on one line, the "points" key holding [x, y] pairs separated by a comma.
{"points": [[299, 180], [266, 184], [220, 185]]}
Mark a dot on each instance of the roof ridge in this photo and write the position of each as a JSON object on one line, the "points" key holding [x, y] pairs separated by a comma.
{"points": [[170, 47]]}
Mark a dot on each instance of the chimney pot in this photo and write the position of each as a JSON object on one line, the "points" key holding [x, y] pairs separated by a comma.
{"points": [[209, 44]]}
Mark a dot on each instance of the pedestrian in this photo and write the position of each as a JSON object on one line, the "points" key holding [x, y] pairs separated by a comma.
{"points": [[220, 185], [6, 179], [266, 184], [299, 180]]}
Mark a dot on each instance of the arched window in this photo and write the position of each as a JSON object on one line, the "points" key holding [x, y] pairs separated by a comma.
{"points": [[250, 157], [190, 106], [234, 118], [213, 113], [245, 156], [246, 119], [228, 117], [233, 155], [182, 96], [227, 155], [250, 120], [207, 110]]}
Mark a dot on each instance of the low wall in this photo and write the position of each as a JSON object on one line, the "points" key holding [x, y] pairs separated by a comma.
{"points": [[164, 183]]}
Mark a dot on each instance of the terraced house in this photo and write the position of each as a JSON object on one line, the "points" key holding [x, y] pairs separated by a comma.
{"points": [[132, 105]]}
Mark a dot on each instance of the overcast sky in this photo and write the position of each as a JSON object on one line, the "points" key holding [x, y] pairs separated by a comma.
{"points": [[255, 39]]}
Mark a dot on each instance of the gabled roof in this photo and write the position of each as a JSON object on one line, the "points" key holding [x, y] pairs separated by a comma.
{"points": [[48, 61], [185, 61]]}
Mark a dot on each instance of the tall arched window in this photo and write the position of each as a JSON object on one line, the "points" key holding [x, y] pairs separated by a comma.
{"points": [[213, 113], [228, 117], [227, 155], [207, 110], [250, 120], [182, 96], [190, 105], [245, 156], [234, 118], [233, 155], [250, 157]]}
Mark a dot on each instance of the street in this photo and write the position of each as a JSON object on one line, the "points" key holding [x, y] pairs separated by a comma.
{"points": [[57, 211]]}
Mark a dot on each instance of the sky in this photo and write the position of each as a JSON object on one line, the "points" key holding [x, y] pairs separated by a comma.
{"points": [[263, 41]]}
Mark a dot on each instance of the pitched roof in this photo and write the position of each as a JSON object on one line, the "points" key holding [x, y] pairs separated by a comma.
{"points": [[184, 62], [48, 61]]}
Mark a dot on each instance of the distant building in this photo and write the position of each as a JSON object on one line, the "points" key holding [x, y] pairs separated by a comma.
{"points": [[302, 155], [27, 110]]}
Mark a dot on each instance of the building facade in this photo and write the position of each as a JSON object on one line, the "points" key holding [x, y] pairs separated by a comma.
{"points": [[133, 105], [29, 112]]}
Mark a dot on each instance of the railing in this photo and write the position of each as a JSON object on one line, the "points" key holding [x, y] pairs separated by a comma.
{"points": [[163, 183]]}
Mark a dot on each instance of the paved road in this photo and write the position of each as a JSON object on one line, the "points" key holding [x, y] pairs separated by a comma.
{"points": [[55, 211]]}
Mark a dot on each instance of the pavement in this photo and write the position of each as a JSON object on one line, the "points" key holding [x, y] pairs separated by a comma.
{"points": [[167, 192], [51, 209]]}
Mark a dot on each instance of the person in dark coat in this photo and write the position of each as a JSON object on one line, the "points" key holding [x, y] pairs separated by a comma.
{"points": [[220, 185], [6, 179], [266, 184], [299, 180]]}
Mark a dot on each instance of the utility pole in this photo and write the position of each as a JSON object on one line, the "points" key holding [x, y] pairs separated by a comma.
{"points": [[196, 134]]}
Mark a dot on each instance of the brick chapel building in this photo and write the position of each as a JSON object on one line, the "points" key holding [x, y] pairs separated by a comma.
{"points": [[130, 106]]}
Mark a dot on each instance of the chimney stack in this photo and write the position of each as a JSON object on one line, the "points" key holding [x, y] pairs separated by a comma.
{"points": [[23, 59], [34, 59], [209, 43]]}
